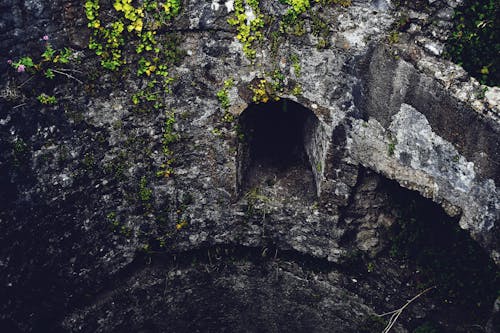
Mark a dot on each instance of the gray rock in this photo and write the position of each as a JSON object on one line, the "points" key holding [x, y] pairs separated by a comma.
{"points": [[93, 241]]}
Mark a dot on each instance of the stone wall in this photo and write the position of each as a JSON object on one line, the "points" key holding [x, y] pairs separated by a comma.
{"points": [[93, 240]]}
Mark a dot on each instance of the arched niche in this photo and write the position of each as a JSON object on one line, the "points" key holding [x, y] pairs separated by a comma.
{"points": [[279, 147]]}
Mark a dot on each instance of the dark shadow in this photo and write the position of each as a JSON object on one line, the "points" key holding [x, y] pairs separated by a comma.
{"points": [[272, 148]]}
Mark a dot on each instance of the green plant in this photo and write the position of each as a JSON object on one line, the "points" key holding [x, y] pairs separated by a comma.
{"points": [[24, 63], [322, 44], [370, 267], [391, 146], [296, 64], [135, 23], [475, 40], [297, 90], [225, 103], [46, 99], [261, 91], [254, 197], [297, 7], [318, 167], [20, 147], [145, 193], [278, 81], [222, 96], [320, 29], [249, 30], [343, 3], [112, 218], [50, 63], [169, 137], [393, 37], [49, 74], [105, 41], [217, 132]]}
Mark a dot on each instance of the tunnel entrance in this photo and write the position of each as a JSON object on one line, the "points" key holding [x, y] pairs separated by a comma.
{"points": [[273, 151]]}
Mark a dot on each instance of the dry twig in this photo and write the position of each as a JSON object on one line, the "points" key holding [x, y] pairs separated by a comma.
{"points": [[67, 75], [396, 313]]}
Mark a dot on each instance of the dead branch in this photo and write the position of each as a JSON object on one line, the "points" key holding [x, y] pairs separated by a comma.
{"points": [[396, 313]]}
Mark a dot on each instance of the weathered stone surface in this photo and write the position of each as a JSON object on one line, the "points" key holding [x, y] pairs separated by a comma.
{"points": [[81, 252], [419, 159]]}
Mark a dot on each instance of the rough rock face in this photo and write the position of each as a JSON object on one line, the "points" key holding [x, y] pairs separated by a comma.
{"points": [[93, 241]]}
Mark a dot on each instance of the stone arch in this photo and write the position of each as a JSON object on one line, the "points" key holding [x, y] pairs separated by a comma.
{"points": [[279, 145]]}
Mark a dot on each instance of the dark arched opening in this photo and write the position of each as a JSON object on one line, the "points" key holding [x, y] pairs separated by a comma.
{"points": [[274, 148]]}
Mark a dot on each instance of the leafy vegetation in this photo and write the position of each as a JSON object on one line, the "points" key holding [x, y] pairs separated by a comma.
{"points": [[250, 23], [223, 94], [296, 64], [297, 7], [249, 29], [475, 40], [46, 99], [223, 97], [169, 137], [145, 193], [50, 63], [262, 91], [141, 23], [391, 146], [134, 28]]}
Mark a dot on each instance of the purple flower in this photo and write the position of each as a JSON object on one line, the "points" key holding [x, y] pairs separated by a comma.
{"points": [[21, 68], [45, 37], [9, 62]]}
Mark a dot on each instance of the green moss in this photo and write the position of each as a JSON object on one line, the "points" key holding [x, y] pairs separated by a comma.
{"points": [[145, 193], [296, 64], [169, 137], [275, 42], [292, 27]]}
